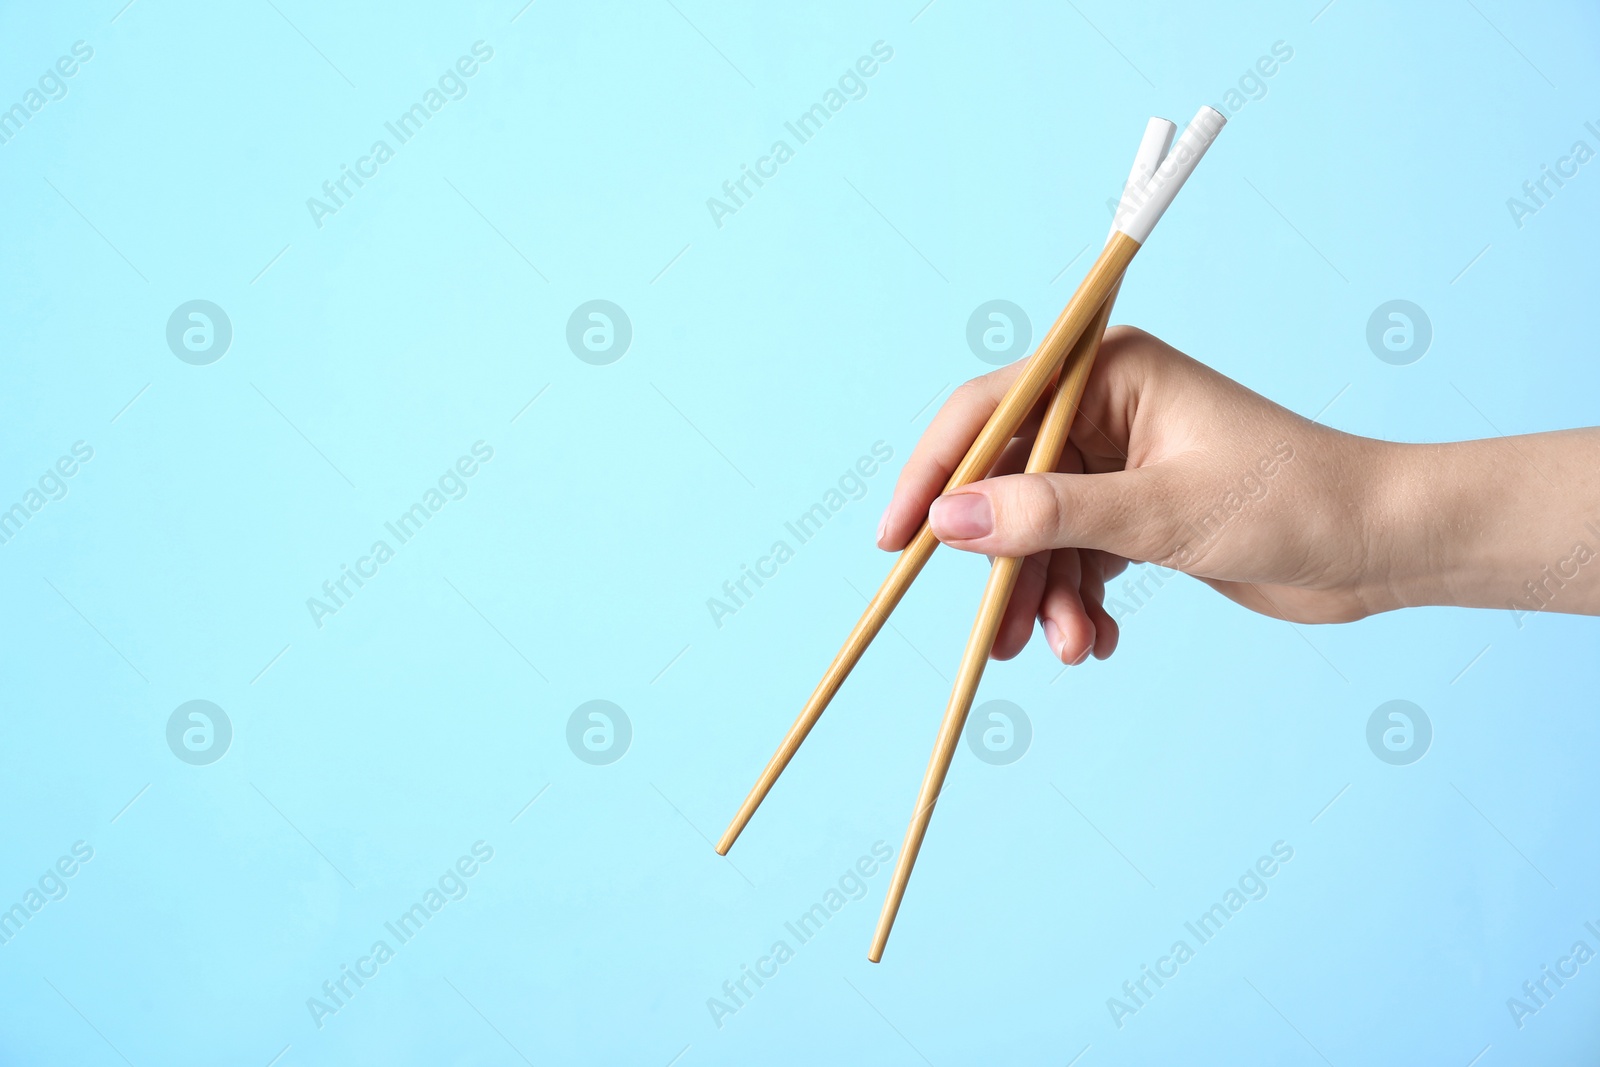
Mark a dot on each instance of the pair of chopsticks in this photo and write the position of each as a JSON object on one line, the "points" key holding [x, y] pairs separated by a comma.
{"points": [[1065, 355]]}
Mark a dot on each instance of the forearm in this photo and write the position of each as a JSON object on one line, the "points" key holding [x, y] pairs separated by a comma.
{"points": [[1511, 522]]}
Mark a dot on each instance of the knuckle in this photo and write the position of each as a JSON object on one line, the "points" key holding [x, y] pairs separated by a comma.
{"points": [[1122, 335], [964, 390], [1034, 511], [968, 394], [1130, 349]]}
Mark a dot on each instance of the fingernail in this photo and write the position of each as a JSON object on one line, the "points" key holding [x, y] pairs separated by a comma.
{"points": [[962, 516], [1054, 637], [883, 525]]}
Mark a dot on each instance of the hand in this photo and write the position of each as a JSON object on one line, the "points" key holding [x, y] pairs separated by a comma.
{"points": [[1172, 463]]}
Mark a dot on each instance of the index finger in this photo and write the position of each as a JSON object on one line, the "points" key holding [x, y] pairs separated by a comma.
{"points": [[943, 446]]}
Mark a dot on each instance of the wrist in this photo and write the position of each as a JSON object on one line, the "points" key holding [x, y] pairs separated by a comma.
{"points": [[1442, 527]]}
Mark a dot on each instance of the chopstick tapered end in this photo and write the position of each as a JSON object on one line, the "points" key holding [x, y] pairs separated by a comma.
{"points": [[880, 934], [746, 811]]}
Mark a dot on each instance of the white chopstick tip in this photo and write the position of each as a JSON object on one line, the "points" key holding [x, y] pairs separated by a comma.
{"points": [[1153, 147], [1153, 197], [1211, 121]]}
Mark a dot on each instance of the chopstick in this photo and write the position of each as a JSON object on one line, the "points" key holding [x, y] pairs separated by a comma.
{"points": [[996, 596], [1042, 459], [1102, 278], [985, 451]]}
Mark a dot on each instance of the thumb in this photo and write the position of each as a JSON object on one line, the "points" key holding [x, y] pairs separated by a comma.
{"points": [[1126, 513]]}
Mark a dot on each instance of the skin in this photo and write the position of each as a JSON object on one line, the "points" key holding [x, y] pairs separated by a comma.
{"points": [[1172, 463]]}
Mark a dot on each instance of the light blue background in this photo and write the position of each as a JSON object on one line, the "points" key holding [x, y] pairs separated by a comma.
{"points": [[767, 356]]}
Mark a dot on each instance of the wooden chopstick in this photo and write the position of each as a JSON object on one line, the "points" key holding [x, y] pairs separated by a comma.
{"points": [[1042, 366], [1147, 204], [1043, 458]]}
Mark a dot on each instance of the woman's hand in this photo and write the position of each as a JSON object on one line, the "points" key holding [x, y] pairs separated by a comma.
{"points": [[1172, 463]]}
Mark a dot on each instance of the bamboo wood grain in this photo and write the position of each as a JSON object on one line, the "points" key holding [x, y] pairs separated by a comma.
{"points": [[1043, 458], [1092, 295]]}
